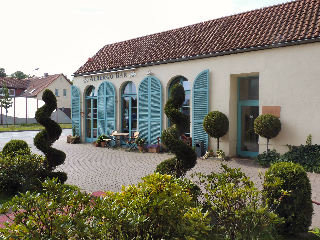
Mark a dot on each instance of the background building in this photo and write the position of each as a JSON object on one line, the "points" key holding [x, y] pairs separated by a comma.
{"points": [[261, 61], [27, 98]]}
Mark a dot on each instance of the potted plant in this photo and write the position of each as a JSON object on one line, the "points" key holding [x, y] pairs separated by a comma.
{"points": [[74, 138], [140, 143], [101, 140]]}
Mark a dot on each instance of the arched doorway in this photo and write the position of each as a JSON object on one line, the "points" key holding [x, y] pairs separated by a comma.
{"points": [[91, 114], [186, 104], [129, 108]]}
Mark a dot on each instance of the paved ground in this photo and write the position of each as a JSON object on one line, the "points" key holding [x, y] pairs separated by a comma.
{"points": [[95, 169]]}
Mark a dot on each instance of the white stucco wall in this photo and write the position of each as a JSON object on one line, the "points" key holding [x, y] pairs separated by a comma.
{"points": [[289, 77], [60, 83]]}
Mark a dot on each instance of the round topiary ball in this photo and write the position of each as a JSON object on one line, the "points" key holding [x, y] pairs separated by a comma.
{"points": [[15, 146], [216, 124], [267, 126], [288, 183]]}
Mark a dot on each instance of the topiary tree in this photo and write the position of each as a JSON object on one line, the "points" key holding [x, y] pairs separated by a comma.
{"points": [[267, 126], [289, 183], [216, 124], [186, 157], [44, 139]]}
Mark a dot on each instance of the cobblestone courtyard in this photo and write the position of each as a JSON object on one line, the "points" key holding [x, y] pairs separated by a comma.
{"points": [[99, 169]]}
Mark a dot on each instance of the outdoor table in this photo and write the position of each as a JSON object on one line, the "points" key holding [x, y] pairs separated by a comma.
{"points": [[118, 137]]}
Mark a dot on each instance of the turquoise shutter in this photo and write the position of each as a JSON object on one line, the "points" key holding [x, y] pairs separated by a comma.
{"points": [[150, 109], [200, 107], [75, 109], [106, 108]]}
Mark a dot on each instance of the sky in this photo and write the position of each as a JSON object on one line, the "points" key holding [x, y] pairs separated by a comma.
{"points": [[58, 36]]}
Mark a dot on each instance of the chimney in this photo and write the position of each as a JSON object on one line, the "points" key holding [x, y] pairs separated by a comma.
{"points": [[46, 74]]}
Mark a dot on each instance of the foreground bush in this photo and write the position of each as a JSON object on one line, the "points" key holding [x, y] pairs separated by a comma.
{"points": [[20, 171], [308, 156], [161, 207], [236, 208], [288, 191], [14, 146]]}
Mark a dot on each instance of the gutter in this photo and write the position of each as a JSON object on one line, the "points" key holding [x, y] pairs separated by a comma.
{"points": [[208, 55]]}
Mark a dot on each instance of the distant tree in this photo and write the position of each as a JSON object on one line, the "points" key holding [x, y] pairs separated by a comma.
{"points": [[19, 75], [6, 101], [3, 72]]}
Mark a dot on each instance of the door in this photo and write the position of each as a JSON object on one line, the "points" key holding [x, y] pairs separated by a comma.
{"points": [[248, 111], [91, 115]]}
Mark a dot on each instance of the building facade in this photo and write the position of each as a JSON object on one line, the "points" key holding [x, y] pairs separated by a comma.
{"points": [[262, 61]]}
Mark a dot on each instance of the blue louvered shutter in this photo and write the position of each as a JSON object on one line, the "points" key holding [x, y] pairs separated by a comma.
{"points": [[150, 109], [200, 107], [106, 108], [75, 110]]}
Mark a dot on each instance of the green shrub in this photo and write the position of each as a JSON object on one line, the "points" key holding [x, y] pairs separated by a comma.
{"points": [[267, 158], [308, 156], [160, 207], [288, 183], [58, 212], [20, 172], [235, 206], [216, 124], [185, 156], [267, 126], [167, 167], [14, 146]]}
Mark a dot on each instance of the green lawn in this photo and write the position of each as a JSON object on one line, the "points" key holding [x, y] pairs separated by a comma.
{"points": [[26, 127]]}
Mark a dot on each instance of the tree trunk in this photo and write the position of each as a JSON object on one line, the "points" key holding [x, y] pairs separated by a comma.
{"points": [[218, 144], [267, 145]]}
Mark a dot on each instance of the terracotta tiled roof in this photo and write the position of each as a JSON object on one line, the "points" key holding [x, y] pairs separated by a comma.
{"points": [[14, 83], [280, 25], [36, 85]]}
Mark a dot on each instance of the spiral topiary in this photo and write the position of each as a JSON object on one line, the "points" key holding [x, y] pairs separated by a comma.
{"points": [[186, 157], [44, 139]]}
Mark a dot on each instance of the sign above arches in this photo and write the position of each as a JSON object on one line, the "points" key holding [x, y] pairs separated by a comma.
{"points": [[109, 76]]}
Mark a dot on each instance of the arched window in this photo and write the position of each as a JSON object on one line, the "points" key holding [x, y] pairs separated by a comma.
{"points": [[186, 104], [91, 114], [129, 108]]}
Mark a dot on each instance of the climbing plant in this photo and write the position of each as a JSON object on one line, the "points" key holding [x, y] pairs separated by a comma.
{"points": [[44, 139], [185, 157]]}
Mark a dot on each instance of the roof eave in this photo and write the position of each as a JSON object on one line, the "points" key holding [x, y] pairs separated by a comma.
{"points": [[215, 54]]}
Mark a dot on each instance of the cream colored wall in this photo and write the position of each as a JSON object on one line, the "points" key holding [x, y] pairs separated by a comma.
{"points": [[289, 77], [60, 83]]}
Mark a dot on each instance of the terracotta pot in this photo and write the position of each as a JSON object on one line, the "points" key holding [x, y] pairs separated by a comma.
{"points": [[103, 144], [140, 148], [97, 144], [69, 138]]}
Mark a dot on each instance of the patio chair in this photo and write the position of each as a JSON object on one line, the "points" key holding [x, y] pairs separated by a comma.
{"points": [[131, 141]]}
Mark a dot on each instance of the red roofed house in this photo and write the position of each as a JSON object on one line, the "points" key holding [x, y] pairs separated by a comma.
{"points": [[34, 88], [261, 61]]}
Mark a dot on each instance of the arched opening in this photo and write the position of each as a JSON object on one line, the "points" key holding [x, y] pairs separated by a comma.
{"points": [[129, 108], [186, 104], [91, 114]]}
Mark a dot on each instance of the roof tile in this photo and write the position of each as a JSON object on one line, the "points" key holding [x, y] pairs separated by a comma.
{"points": [[270, 26]]}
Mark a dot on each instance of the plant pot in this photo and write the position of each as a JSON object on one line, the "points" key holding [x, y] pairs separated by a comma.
{"points": [[75, 139], [97, 144], [140, 148], [103, 144], [69, 138]]}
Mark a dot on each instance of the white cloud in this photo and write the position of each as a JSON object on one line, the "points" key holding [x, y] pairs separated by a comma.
{"points": [[58, 36]]}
